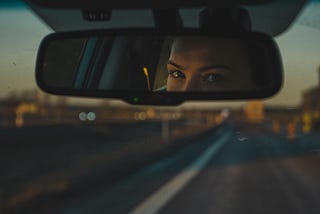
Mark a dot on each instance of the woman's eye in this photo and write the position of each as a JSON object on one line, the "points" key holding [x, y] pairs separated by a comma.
{"points": [[212, 78], [177, 74]]}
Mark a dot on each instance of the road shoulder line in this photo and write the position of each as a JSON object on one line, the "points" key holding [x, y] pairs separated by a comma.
{"points": [[159, 198]]}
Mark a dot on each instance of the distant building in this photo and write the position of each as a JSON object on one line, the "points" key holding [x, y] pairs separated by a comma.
{"points": [[254, 111], [311, 98], [311, 107]]}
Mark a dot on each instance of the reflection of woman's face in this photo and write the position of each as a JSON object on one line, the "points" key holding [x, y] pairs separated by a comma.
{"points": [[205, 64]]}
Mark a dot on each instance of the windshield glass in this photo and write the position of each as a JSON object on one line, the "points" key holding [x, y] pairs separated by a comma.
{"points": [[75, 155]]}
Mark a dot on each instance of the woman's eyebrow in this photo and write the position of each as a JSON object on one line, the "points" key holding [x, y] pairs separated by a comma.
{"points": [[170, 62], [216, 66], [205, 68]]}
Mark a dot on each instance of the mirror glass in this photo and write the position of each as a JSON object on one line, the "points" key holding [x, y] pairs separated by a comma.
{"points": [[156, 64]]}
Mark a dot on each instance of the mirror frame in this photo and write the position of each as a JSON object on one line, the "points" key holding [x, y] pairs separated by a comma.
{"points": [[167, 98]]}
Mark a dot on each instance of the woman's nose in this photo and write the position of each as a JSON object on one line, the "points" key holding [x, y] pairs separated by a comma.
{"points": [[192, 84]]}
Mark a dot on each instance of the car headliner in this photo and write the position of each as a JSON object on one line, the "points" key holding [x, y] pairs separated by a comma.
{"points": [[272, 18]]}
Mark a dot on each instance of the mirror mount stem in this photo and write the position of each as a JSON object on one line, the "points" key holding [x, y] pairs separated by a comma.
{"points": [[235, 19], [167, 19]]}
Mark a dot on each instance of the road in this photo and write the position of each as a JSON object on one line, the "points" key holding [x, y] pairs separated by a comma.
{"points": [[255, 173], [236, 168]]}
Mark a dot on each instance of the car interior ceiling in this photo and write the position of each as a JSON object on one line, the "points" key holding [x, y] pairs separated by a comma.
{"points": [[283, 14]]}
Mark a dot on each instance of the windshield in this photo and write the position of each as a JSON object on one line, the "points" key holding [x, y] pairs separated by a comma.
{"points": [[75, 155]]}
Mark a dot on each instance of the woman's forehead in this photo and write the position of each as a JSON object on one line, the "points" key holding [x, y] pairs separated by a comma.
{"points": [[204, 50], [200, 49]]}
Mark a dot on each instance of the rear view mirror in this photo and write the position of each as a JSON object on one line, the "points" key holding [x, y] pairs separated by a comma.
{"points": [[149, 67]]}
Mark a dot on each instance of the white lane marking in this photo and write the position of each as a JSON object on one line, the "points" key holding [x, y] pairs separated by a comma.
{"points": [[158, 199]]}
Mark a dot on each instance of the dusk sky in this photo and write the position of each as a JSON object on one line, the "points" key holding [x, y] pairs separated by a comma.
{"points": [[21, 33]]}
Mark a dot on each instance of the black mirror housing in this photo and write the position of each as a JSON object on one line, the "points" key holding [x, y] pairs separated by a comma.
{"points": [[82, 64]]}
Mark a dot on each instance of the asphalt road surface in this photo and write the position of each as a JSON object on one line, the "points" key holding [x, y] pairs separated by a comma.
{"points": [[235, 168]]}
